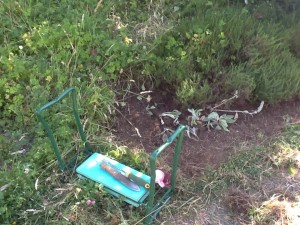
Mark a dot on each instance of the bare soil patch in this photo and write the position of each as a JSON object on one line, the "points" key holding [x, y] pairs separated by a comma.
{"points": [[211, 148]]}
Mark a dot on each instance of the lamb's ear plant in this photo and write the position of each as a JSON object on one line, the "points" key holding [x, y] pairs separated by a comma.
{"points": [[213, 120], [194, 119], [174, 115], [191, 130]]}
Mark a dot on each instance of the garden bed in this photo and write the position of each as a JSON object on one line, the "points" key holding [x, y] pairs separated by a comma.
{"points": [[211, 148]]}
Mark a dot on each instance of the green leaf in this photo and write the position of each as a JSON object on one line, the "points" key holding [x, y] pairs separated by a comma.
{"points": [[225, 116], [209, 3], [292, 170], [223, 123], [218, 127], [2, 210], [213, 116], [228, 118]]}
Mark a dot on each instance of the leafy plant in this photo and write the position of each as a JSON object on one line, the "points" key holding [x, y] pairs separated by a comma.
{"points": [[195, 117], [213, 120], [191, 130], [174, 115]]}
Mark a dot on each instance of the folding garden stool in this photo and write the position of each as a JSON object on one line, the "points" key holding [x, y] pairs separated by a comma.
{"points": [[147, 197]]}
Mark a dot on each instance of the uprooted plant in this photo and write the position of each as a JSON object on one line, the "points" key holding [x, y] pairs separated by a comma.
{"points": [[212, 120]]}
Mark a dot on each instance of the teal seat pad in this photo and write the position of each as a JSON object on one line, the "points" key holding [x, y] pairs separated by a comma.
{"points": [[91, 169]]}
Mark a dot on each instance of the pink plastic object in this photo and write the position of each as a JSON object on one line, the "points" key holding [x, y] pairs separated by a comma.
{"points": [[162, 179]]}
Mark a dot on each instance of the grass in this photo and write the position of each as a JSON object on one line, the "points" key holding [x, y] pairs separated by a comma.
{"points": [[255, 186], [258, 185]]}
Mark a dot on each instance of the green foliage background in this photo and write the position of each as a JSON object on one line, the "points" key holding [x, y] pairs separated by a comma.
{"points": [[201, 50]]}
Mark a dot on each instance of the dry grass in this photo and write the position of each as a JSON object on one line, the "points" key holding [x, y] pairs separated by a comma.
{"points": [[239, 201], [278, 211], [156, 23], [255, 187]]}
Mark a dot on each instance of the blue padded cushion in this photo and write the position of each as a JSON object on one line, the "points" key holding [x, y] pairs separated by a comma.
{"points": [[91, 169]]}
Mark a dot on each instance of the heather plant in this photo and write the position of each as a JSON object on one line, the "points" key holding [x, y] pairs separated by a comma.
{"points": [[294, 42], [273, 67]]}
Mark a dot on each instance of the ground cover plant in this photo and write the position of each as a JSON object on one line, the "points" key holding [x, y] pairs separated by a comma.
{"points": [[192, 54]]}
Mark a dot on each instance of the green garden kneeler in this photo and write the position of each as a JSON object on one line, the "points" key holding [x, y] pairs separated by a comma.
{"points": [[147, 197]]}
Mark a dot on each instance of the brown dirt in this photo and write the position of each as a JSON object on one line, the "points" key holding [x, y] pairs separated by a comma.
{"points": [[211, 148]]}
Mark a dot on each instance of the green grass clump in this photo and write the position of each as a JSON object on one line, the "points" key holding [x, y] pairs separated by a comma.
{"points": [[213, 51], [42, 56], [273, 67], [295, 42], [48, 47], [252, 163]]}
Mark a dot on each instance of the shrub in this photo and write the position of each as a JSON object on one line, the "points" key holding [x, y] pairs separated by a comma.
{"points": [[294, 42], [274, 68], [197, 56], [213, 51], [238, 78]]}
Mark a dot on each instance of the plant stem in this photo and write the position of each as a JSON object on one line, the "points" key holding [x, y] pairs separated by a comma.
{"points": [[259, 109]]}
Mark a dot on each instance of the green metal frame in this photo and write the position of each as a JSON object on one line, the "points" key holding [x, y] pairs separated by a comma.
{"points": [[152, 207], [38, 112]]}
